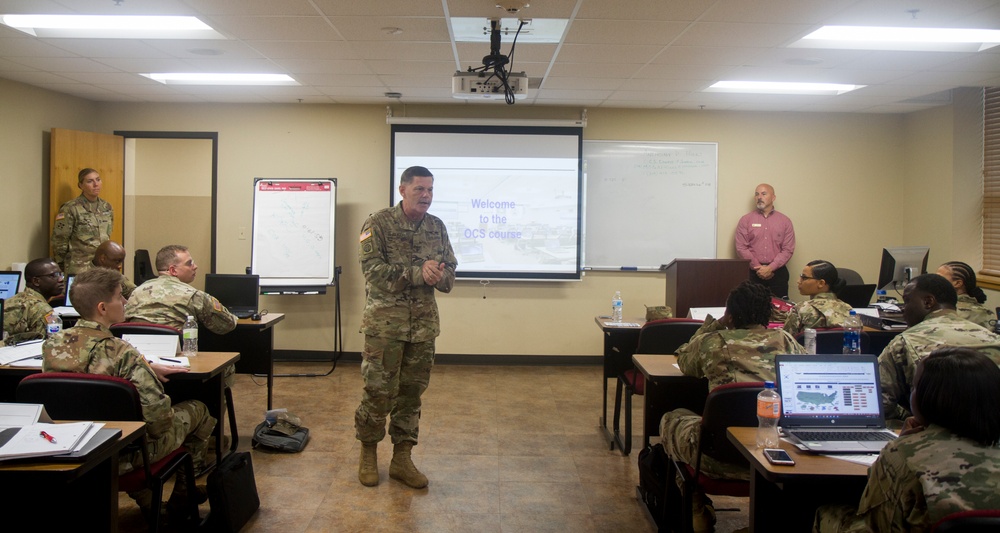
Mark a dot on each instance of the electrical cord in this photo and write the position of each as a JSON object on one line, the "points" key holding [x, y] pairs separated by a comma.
{"points": [[497, 63]]}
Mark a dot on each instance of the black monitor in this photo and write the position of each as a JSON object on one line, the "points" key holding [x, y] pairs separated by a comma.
{"points": [[901, 264], [238, 292]]}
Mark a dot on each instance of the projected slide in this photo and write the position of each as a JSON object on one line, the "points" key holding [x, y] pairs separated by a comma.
{"points": [[511, 202]]}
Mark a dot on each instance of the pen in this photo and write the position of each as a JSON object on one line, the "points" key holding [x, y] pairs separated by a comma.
{"points": [[630, 268], [47, 437], [171, 360]]}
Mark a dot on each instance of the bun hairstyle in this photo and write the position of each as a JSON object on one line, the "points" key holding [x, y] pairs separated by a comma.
{"points": [[965, 273], [825, 271]]}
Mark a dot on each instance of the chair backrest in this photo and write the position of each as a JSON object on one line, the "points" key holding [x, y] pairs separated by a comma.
{"points": [[732, 404], [831, 341], [78, 396], [987, 520], [144, 328], [666, 334], [850, 276], [142, 267]]}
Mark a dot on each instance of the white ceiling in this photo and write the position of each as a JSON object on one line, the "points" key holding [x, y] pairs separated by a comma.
{"points": [[614, 53]]}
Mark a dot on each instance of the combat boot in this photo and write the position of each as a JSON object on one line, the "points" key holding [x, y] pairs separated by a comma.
{"points": [[402, 469], [368, 465]]}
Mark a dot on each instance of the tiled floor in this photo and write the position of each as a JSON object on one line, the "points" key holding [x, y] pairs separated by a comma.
{"points": [[506, 448]]}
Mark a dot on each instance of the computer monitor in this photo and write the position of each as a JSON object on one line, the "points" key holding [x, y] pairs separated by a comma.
{"points": [[9, 281], [69, 283], [901, 264], [238, 292]]}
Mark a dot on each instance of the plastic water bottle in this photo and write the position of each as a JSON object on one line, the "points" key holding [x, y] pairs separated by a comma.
{"points": [[53, 324], [852, 334], [810, 341], [190, 332], [616, 307], [881, 296], [768, 414]]}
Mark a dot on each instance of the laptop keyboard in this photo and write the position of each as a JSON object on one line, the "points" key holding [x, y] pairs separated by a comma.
{"points": [[831, 436]]}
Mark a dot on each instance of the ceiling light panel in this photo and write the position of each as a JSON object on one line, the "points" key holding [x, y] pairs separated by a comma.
{"points": [[781, 87], [111, 27], [206, 78], [905, 39], [477, 30]]}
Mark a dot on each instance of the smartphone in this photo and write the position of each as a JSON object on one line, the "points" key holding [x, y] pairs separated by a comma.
{"points": [[777, 456]]}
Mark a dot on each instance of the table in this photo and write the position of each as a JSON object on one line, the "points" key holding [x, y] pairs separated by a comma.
{"points": [[205, 382], [253, 339], [63, 496], [620, 342], [785, 498], [667, 388]]}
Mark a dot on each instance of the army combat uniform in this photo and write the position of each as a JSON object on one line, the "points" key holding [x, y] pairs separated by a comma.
{"points": [[127, 285], [168, 300], [722, 356], [917, 480], [973, 311], [90, 348], [899, 359], [24, 316], [81, 226], [400, 320], [824, 310]]}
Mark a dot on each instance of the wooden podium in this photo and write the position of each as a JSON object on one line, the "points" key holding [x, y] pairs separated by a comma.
{"points": [[702, 282]]}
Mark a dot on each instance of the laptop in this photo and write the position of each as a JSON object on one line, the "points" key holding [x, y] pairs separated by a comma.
{"points": [[238, 292], [880, 323], [832, 403], [857, 295], [9, 281], [67, 308]]}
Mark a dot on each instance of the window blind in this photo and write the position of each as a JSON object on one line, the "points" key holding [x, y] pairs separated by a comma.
{"points": [[991, 181]]}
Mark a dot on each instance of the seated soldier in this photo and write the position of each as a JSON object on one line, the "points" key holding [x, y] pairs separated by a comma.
{"points": [[821, 283], [736, 348], [89, 347], [26, 313], [946, 459], [111, 255]]}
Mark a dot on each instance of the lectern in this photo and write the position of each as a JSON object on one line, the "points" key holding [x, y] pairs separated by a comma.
{"points": [[702, 282]]}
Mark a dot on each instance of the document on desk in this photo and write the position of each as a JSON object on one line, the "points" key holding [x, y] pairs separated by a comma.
{"points": [[22, 352], [866, 459], [624, 324], [153, 346], [40, 440], [22, 414]]}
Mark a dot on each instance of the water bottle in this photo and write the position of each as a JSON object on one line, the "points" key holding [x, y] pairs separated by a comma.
{"points": [[190, 332], [852, 334], [53, 324], [768, 414], [810, 341], [616, 307], [881, 296]]}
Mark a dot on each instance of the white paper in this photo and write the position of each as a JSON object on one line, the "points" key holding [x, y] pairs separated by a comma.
{"points": [[25, 350], [866, 459], [701, 313], [28, 442], [153, 345], [19, 414], [869, 311]]}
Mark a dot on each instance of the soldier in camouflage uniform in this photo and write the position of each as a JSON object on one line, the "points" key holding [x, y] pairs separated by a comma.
{"points": [[89, 347], [736, 348], [168, 299], [405, 255], [929, 310], [946, 459], [970, 296], [26, 313], [82, 224], [820, 282], [111, 255]]}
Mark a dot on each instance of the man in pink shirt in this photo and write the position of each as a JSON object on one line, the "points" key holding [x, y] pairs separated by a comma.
{"points": [[766, 238]]}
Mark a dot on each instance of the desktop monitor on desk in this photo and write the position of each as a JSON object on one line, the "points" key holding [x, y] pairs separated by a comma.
{"points": [[901, 264], [9, 281]]}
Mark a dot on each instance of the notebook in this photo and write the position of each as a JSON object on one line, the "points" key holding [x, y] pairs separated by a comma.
{"points": [[857, 295], [238, 292], [9, 281], [831, 403]]}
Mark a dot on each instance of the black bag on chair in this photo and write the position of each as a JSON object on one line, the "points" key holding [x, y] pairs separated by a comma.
{"points": [[232, 493]]}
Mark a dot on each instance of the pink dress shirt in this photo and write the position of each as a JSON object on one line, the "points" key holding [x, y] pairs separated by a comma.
{"points": [[766, 240]]}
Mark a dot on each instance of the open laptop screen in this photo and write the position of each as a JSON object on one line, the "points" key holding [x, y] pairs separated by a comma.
{"points": [[238, 292], [69, 283], [828, 389], [9, 280]]}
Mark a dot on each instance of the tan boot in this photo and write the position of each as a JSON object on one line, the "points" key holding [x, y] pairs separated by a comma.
{"points": [[402, 468], [368, 465]]}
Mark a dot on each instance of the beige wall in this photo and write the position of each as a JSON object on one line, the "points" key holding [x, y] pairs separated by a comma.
{"points": [[852, 183]]}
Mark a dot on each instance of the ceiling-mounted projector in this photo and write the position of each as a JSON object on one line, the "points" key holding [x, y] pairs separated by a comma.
{"points": [[488, 86]]}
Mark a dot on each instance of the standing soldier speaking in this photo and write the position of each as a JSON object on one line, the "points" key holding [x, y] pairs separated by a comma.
{"points": [[405, 254]]}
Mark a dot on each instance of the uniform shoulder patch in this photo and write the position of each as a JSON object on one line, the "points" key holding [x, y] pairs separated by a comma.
{"points": [[60, 216], [365, 235], [216, 305]]}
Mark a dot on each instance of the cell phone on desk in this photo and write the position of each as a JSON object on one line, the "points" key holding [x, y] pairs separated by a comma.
{"points": [[777, 456]]}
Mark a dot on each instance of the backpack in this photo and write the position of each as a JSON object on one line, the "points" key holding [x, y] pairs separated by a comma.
{"points": [[281, 439]]}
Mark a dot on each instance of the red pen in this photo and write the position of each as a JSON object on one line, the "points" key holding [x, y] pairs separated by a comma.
{"points": [[47, 437]]}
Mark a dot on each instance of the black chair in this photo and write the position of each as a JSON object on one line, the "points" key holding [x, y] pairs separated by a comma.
{"points": [[142, 267], [661, 336], [732, 404], [114, 399], [831, 341], [982, 521], [850, 276]]}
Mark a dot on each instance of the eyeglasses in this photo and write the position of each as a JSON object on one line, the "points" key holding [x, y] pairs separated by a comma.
{"points": [[57, 275], [804, 277]]}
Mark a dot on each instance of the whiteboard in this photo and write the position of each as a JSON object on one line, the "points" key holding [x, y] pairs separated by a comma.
{"points": [[293, 232], [648, 203]]}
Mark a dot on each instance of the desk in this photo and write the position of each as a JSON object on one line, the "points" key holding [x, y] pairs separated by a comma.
{"points": [[204, 382], [619, 345], [667, 388], [785, 498], [64, 496], [253, 339]]}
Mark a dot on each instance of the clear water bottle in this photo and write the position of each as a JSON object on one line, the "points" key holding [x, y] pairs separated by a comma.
{"points": [[190, 332], [768, 414], [616, 307], [810, 341], [852, 334], [53, 324]]}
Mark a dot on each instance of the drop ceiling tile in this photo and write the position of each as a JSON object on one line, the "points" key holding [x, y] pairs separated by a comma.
{"points": [[324, 66], [741, 35], [661, 97], [776, 11], [581, 94], [304, 50], [677, 10], [277, 28], [442, 69], [683, 72], [256, 7], [706, 55], [106, 47], [419, 29], [202, 48], [404, 83], [608, 53], [561, 9], [602, 84], [133, 64], [107, 78], [63, 64], [473, 53], [672, 85], [338, 80], [405, 51], [381, 8], [255, 65], [36, 77], [623, 32], [932, 13], [583, 70]]}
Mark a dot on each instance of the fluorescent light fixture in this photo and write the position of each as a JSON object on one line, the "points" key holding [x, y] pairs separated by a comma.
{"points": [[781, 87], [477, 30], [905, 39], [206, 78], [111, 27]]}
